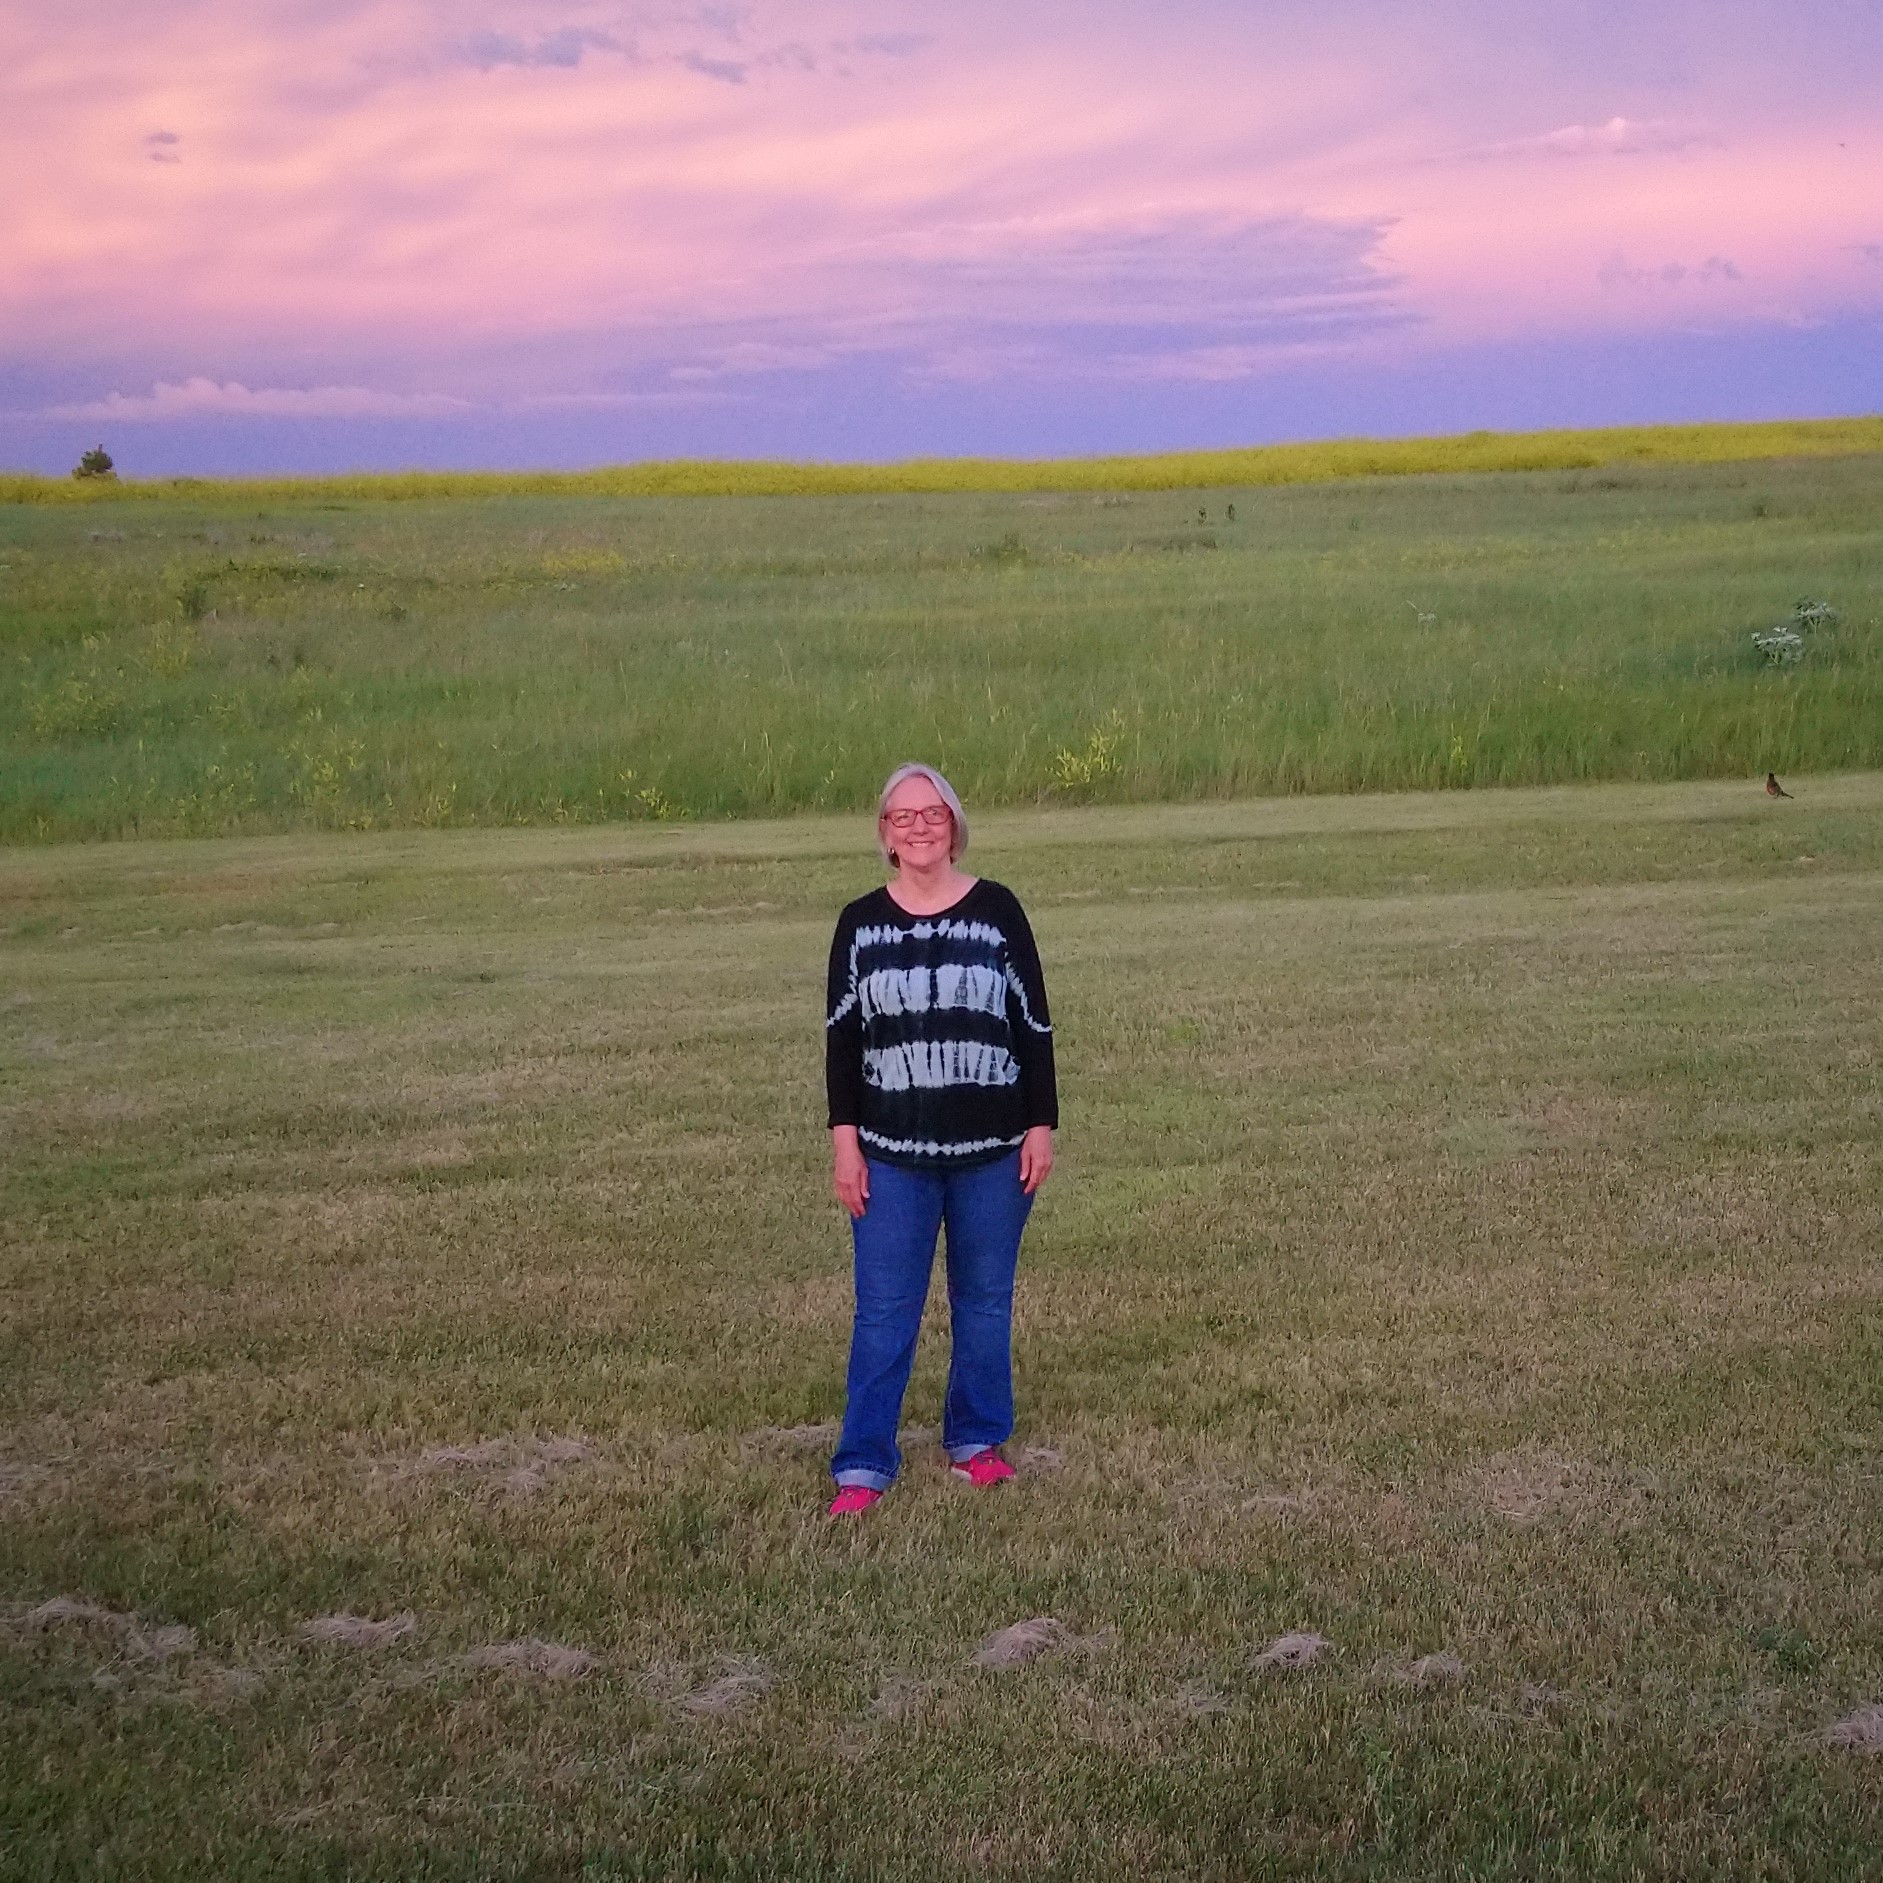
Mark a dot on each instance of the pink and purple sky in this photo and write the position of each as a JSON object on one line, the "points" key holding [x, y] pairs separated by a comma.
{"points": [[253, 235]]}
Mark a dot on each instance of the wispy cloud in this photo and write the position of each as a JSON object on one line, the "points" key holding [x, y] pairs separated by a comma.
{"points": [[885, 45], [1617, 137], [713, 43], [745, 358], [726, 71], [615, 401], [563, 47], [1147, 267], [1618, 272], [205, 398]]}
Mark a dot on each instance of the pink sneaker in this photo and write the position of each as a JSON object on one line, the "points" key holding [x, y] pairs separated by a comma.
{"points": [[986, 1467], [852, 1500]]}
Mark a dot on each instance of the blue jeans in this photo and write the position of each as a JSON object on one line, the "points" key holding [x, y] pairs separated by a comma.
{"points": [[985, 1210]]}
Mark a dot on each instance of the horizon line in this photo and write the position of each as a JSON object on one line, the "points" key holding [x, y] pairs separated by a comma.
{"points": [[1293, 462]]}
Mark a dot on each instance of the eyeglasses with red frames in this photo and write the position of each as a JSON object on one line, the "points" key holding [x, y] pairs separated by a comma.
{"points": [[934, 815]]}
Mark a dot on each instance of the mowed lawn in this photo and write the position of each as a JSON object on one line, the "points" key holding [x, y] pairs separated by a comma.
{"points": [[1464, 1250]]}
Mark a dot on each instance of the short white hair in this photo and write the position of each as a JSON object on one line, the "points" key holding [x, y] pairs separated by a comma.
{"points": [[957, 843]]}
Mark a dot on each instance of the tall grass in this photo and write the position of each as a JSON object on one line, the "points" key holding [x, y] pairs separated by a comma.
{"points": [[1256, 466], [199, 665]]}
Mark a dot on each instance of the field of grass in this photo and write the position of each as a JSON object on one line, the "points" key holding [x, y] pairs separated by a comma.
{"points": [[209, 664], [1464, 1245]]}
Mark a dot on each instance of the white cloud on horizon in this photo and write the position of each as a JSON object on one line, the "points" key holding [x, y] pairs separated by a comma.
{"points": [[203, 397], [208, 398], [615, 401], [745, 358]]}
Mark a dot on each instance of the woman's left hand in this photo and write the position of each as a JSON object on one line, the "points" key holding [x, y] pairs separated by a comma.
{"points": [[1036, 1157]]}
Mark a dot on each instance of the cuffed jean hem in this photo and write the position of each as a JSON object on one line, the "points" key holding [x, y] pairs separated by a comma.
{"points": [[984, 1210], [960, 1454], [870, 1480]]}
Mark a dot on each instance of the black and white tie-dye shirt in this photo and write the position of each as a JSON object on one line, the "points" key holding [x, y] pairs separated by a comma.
{"points": [[938, 1046]]}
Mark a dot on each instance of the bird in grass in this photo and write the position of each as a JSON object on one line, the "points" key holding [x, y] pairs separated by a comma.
{"points": [[1773, 789]]}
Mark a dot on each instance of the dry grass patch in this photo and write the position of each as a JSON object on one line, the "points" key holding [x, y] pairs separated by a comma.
{"points": [[1424, 1672], [1198, 1700], [358, 1631], [512, 1467], [1861, 1731], [547, 1660], [221, 1687], [135, 1639], [793, 1440], [1525, 1488], [739, 1685], [1023, 1642], [900, 1701], [1292, 1653], [18, 1477]]}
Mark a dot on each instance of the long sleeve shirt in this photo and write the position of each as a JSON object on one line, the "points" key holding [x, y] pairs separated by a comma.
{"points": [[938, 1043]]}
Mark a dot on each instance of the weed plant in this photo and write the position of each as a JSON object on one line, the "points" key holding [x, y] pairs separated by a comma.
{"points": [[198, 664]]}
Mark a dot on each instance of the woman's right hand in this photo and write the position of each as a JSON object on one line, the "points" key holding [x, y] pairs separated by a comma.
{"points": [[850, 1175]]}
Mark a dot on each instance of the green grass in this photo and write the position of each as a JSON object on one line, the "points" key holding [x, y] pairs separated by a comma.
{"points": [[213, 666], [1464, 1239], [1256, 465]]}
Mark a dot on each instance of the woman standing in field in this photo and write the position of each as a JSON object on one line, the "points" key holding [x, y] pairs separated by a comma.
{"points": [[939, 1063]]}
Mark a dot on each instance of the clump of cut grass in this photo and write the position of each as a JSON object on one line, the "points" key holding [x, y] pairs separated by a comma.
{"points": [[818, 1437], [739, 1684], [1023, 1642], [1861, 1731], [358, 1631], [134, 1638], [1198, 1700], [1425, 1671], [547, 1660], [1292, 1653], [520, 1467]]}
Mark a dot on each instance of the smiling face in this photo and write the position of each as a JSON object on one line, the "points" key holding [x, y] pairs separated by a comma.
{"points": [[911, 828]]}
